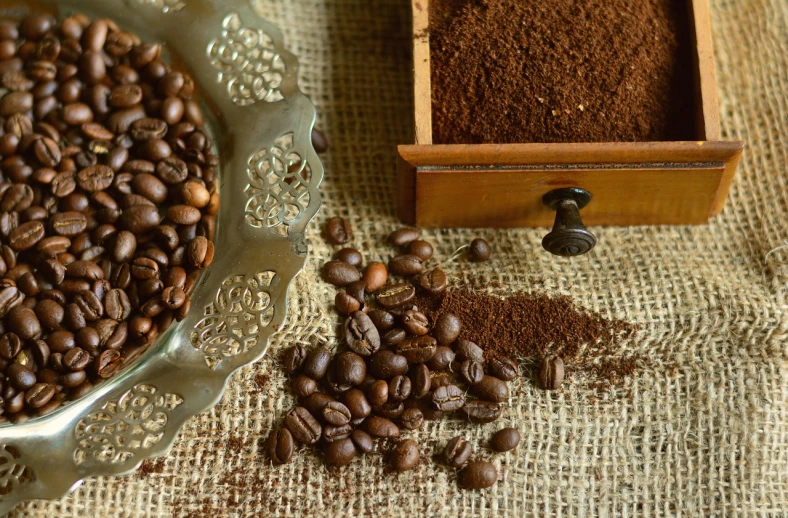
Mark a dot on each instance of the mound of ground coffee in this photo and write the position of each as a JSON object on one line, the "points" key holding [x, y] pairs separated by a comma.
{"points": [[508, 71]]}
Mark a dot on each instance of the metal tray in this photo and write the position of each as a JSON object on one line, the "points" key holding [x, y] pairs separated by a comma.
{"points": [[269, 179]]}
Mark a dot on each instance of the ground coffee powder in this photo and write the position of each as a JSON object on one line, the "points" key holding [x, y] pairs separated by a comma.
{"points": [[507, 71]]}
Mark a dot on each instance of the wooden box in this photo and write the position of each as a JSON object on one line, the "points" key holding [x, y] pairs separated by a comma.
{"points": [[641, 183]]}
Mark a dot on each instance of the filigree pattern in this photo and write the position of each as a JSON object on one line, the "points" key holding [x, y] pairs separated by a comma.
{"points": [[243, 307], [12, 472], [166, 6], [248, 62], [281, 185], [124, 427]]}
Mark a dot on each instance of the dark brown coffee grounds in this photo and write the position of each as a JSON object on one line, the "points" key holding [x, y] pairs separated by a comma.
{"points": [[508, 71], [529, 327]]}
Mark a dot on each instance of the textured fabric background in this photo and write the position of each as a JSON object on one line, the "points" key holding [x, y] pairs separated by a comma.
{"points": [[704, 430]]}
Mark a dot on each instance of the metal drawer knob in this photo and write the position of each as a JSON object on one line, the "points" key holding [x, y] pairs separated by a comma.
{"points": [[569, 236]]}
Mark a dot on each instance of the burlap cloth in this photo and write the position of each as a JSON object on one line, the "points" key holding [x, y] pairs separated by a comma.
{"points": [[703, 431]]}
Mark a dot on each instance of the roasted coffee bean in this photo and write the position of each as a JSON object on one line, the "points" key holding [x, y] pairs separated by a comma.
{"points": [[86, 270], [457, 452], [316, 363], [405, 455], [293, 359], [319, 141], [350, 256], [26, 235], [349, 368], [505, 440], [316, 402], [433, 281], [481, 412], [39, 395], [394, 336], [200, 252], [357, 403], [357, 290], [404, 236], [378, 393], [480, 250], [281, 446], [412, 418], [363, 441], [472, 372], [420, 380], [375, 276], [107, 363], [502, 368], [448, 398], [443, 358], [396, 295], [303, 386], [492, 389], [303, 426], [339, 453], [340, 273], [386, 364], [415, 322], [406, 265], [418, 349], [24, 322], [551, 372], [477, 475], [95, 178], [383, 320], [447, 328], [68, 224], [21, 376], [76, 359], [333, 433], [421, 249], [346, 304], [399, 388], [337, 414], [140, 219], [337, 229], [10, 345], [381, 427], [361, 335], [467, 350], [47, 152]]}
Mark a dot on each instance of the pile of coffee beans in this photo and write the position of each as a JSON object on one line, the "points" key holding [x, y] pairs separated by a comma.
{"points": [[396, 368], [107, 205]]}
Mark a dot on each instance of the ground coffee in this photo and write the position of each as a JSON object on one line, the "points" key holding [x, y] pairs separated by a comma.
{"points": [[506, 71]]}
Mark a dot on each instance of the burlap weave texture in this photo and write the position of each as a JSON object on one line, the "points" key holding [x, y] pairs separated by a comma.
{"points": [[702, 431]]}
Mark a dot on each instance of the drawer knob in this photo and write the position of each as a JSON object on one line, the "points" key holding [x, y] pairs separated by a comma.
{"points": [[569, 236]]}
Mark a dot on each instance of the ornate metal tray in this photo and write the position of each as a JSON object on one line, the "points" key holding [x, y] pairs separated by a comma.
{"points": [[270, 176]]}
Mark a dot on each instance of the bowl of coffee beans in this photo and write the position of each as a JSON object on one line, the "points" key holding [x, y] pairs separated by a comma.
{"points": [[157, 173]]}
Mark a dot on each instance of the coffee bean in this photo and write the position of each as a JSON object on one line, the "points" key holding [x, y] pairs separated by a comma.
{"points": [[447, 328], [316, 402], [420, 381], [107, 363], [293, 358], [383, 320], [349, 368], [412, 418], [357, 403], [505, 440], [480, 250], [338, 231], [404, 236], [405, 455], [346, 304], [418, 349], [183, 214], [316, 363], [457, 452], [350, 256], [68, 224], [76, 359], [406, 265], [477, 475], [140, 219], [303, 386], [467, 350], [39, 395], [361, 335], [472, 372], [281, 446], [363, 441], [396, 295], [10, 345], [502, 368], [15, 102], [340, 273], [375, 276], [481, 412], [448, 398], [319, 141], [24, 322], [47, 152], [339, 453], [20, 376], [385, 364], [443, 358], [492, 389], [76, 114], [378, 393], [171, 170], [551, 372], [26, 235], [433, 281], [394, 336], [303, 426], [95, 178], [381, 427], [86, 270], [421, 249], [415, 322], [337, 414]]}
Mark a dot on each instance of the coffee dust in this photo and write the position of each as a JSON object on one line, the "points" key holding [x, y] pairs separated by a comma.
{"points": [[509, 71]]}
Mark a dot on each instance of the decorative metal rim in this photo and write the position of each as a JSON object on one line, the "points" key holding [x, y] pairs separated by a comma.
{"points": [[270, 175]]}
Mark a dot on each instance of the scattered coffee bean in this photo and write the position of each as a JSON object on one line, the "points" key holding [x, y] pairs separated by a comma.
{"points": [[480, 250], [293, 358], [502, 368], [396, 295], [415, 322], [551, 373], [303, 426], [361, 335], [481, 412], [406, 265], [443, 358], [350, 256], [378, 393], [433, 281], [340, 273], [467, 350], [340, 453], [339, 231], [405, 455], [383, 320], [281, 446], [447, 328], [448, 398], [363, 441], [316, 363], [421, 249], [457, 452], [319, 141], [375, 276], [337, 414], [381, 427], [303, 386], [349, 368], [412, 418], [505, 440], [477, 475], [404, 236], [419, 349], [492, 389], [472, 371]]}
